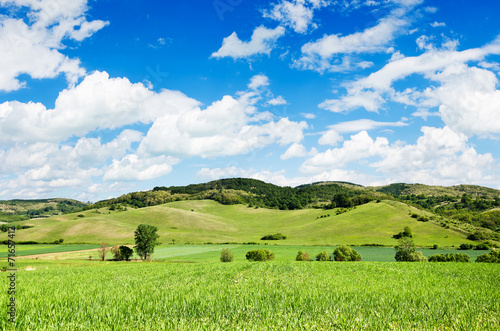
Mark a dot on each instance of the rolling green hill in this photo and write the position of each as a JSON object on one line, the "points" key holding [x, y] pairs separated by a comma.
{"points": [[201, 221], [16, 210]]}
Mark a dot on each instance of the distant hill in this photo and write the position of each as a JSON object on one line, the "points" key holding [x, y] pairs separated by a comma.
{"points": [[470, 209], [203, 221], [16, 210]]}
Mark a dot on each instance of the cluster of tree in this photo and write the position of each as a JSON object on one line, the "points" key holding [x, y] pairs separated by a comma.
{"points": [[406, 233], [253, 192], [449, 257], [277, 236], [346, 253], [303, 256], [492, 257], [407, 252], [259, 255]]}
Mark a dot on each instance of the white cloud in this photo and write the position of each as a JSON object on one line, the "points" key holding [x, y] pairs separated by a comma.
{"points": [[438, 24], [297, 14], [308, 116], [132, 168], [278, 101], [258, 81], [333, 52], [263, 41], [297, 150], [360, 146], [34, 48], [98, 102], [439, 157], [469, 100], [371, 92]]}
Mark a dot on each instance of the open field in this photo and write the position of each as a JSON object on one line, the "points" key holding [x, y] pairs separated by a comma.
{"points": [[211, 253], [85, 295], [201, 221], [24, 250]]}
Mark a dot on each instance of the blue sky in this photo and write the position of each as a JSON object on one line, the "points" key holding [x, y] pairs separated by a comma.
{"points": [[100, 98]]}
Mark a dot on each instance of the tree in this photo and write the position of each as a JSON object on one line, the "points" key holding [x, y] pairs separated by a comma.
{"points": [[346, 253], [145, 240], [406, 252], [116, 252], [126, 253], [226, 255], [102, 251], [260, 255], [323, 256], [302, 256]]}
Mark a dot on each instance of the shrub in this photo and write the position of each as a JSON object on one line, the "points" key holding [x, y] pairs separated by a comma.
{"points": [[458, 257], [435, 247], [346, 253], [423, 219], [491, 257], [260, 255], [125, 252], [465, 247], [226, 255], [477, 236], [277, 236], [481, 247], [302, 256], [406, 252], [405, 234], [116, 252], [323, 256]]}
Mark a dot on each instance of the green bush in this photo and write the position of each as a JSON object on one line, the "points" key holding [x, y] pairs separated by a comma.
{"points": [[277, 236], [405, 234], [491, 257], [302, 256], [260, 255], [466, 247], [226, 255], [125, 252], [406, 252], [481, 247], [346, 253], [323, 256], [458, 257]]}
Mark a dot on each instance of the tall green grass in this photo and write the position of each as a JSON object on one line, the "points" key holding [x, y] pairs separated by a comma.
{"points": [[258, 296]]}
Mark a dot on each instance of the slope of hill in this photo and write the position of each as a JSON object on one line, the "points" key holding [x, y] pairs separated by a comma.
{"points": [[16, 210], [201, 221]]}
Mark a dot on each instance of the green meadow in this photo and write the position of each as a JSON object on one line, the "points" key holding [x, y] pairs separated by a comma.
{"points": [[92, 295]]}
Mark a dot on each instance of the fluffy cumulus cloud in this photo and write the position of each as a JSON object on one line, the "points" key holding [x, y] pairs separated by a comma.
{"points": [[98, 102], [297, 150], [296, 14], [32, 44], [38, 154], [440, 156], [460, 86], [263, 41]]}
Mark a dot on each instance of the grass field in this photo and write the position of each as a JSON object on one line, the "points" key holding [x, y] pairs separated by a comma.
{"points": [[85, 295], [211, 253], [24, 250], [201, 221]]}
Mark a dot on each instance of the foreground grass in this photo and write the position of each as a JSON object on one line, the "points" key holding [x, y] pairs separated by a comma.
{"points": [[256, 296]]}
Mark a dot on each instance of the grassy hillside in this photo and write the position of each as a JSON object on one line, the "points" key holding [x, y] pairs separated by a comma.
{"points": [[16, 210], [201, 221]]}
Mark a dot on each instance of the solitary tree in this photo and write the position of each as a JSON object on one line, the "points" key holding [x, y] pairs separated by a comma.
{"points": [[102, 251], [126, 252], [145, 240], [406, 251]]}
